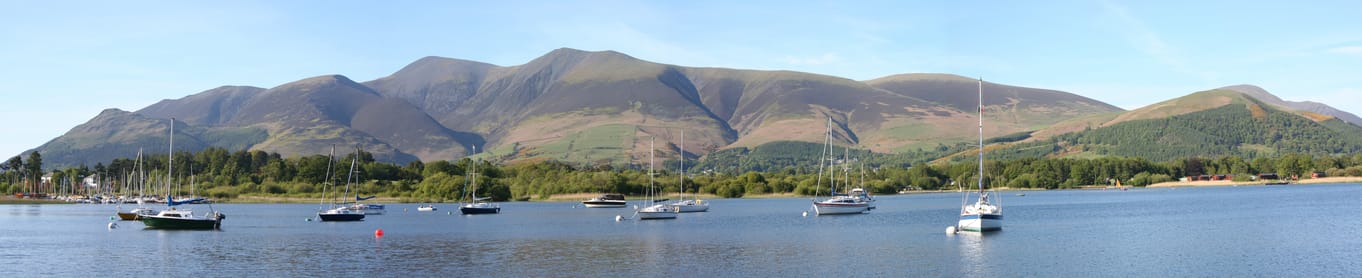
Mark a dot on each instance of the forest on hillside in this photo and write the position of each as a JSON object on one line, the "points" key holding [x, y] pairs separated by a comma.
{"points": [[218, 173]]}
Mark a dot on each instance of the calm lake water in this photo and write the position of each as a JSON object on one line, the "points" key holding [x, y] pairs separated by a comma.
{"points": [[1308, 230]]}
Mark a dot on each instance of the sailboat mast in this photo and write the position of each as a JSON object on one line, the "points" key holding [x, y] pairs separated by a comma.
{"points": [[651, 150], [981, 137], [683, 164], [170, 170], [473, 177], [350, 174]]}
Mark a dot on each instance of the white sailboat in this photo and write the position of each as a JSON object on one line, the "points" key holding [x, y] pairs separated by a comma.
{"points": [[837, 203], [683, 205], [654, 210], [982, 215]]}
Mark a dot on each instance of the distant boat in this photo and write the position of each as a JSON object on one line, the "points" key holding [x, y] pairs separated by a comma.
{"points": [[476, 205], [141, 210], [609, 200], [837, 203], [860, 192], [368, 209], [655, 210], [683, 205], [981, 216], [172, 218], [426, 208], [339, 212]]}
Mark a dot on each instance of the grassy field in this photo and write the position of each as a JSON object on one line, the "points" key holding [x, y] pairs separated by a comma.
{"points": [[601, 143]]}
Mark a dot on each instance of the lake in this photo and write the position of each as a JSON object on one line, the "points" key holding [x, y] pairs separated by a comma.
{"points": [[1295, 230]]}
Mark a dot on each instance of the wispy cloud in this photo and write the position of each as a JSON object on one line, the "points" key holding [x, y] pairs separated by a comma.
{"points": [[1347, 50], [1149, 42]]}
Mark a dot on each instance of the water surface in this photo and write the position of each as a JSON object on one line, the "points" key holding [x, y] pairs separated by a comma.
{"points": [[1299, 230]]}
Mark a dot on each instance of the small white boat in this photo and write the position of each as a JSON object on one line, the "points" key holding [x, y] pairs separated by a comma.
{"points": [[426, 208], [611, 200]]}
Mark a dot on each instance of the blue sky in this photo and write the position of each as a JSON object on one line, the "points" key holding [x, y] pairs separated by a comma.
{"points": [[64, 62]]}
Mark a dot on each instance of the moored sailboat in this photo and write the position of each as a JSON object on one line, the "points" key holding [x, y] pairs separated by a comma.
{"points": [[476, 205], [173, 218], [654, 210], [340, 212], [836, 203], [683, 205], [982, 215], [141, 210]]}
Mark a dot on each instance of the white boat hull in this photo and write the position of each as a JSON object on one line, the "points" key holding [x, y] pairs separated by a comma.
{"points": [[657, 212], [980, 222], [690, 206], [604, 205], [831, 209]]}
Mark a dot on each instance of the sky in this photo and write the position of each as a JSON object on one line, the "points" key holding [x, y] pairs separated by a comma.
{"points": [[63, 62]]}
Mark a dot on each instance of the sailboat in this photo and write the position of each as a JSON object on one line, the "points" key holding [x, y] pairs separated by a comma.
{"points": [[654, 210], [476, 205], [173, 218], [367, 209], [837, 203], [683, 205], [141, 209], [339, 212], [982, 215]]}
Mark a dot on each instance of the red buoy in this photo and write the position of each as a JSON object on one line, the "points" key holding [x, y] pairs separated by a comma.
{"points": [[378, 233]]}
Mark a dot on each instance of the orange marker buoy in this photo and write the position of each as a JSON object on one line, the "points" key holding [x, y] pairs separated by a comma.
{"points": [[378, 233]]}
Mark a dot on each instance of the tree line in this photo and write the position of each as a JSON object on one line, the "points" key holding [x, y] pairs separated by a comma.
{"points": [[218, 173]]}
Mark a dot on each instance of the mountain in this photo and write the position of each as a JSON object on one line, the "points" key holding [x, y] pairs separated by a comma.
{"points": [[578, 106], [1218, 122]]}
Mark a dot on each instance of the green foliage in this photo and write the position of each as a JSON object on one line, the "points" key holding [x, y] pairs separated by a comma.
{"points": [[1231, 130]]}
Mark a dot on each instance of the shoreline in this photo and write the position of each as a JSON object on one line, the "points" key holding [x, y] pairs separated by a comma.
{"points": [[1327, 180], [578, 197]]}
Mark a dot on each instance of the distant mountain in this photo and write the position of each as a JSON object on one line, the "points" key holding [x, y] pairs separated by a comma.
{"points": [[1225, 121], [576, 106]]}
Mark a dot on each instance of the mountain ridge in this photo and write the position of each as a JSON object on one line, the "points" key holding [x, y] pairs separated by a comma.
{"points": [[592, 106]]}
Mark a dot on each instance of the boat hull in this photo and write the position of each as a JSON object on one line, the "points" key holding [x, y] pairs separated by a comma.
{"points": [[657, 212], [823, 209], [834, 208], [341, 217], [690, 206], [127, 216], [980, 222], [604, 204], [369, 209], [170, 223], [479, 210]]}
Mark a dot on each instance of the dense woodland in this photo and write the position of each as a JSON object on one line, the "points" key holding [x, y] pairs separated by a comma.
{"points": [[218, 173]]}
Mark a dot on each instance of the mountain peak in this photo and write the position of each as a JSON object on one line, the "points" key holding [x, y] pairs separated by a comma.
{"points": [[1257, 93], [920, 77]]}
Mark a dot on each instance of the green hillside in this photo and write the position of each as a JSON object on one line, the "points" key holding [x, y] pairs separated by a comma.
{"points": [[1248, 129]]}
